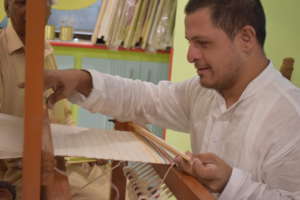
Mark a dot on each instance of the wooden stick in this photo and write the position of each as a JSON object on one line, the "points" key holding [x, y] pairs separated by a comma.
{"points": [[150, 136], [33, 120]]}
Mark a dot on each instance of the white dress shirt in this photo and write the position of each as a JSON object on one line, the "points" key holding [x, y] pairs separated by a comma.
{"points": [[259, 136]]}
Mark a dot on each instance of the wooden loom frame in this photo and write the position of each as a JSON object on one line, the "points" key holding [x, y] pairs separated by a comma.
{"points": [[33, 117], [40, 180], [190, 188], [35, 124]]}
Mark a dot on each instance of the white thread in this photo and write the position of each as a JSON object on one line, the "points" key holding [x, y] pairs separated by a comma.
{"points": [[163, 180], [116, 190], [60, 171], [167, 172], [100, 176], [144, 171]]}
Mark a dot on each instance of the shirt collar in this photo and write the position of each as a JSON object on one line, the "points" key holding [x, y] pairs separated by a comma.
{"points": [[256, 84], [14, 43]]}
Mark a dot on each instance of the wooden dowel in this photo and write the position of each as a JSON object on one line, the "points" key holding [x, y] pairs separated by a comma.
{"points": [[150, 136]]}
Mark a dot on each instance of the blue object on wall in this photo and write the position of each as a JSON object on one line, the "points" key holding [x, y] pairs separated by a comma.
{"points": [[4, 22]]}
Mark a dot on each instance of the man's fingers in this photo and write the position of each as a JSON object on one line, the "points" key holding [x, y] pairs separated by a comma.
{"points": [[50, 78], [178, 161], [207, 157], [198, 167], [202, 170], [183, 165], [189, 154], [21, 85], [53, 98]]}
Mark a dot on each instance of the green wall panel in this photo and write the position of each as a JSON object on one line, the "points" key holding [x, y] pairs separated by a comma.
{"points": [[135, 65]]}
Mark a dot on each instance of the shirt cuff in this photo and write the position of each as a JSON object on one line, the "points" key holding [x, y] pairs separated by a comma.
{"points": [[235, 183], [92, 102], [77, 98]]}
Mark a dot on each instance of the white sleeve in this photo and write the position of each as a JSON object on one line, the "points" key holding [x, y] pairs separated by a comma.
{"points": [[278, 178], [164, 104], [242, 187]]}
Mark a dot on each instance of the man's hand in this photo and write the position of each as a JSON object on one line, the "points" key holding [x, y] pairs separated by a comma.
{"points": [[64, 83], [209, 169]]}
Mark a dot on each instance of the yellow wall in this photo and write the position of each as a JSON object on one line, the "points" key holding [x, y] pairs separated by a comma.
{"points": [[283, 39], [73, 4], [1, 10], [61, 4]]}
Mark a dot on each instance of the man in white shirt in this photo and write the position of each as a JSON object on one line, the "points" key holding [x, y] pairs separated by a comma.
{"points": [[243, 116]]}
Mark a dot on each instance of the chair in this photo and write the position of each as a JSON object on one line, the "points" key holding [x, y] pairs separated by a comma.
{"points": [[287, 67]]}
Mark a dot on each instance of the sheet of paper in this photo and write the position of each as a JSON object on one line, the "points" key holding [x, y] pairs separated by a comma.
{"points": [[81, 142]]}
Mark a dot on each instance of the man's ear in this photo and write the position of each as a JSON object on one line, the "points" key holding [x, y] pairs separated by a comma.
{"points": [[247, 38], [6, 7]]}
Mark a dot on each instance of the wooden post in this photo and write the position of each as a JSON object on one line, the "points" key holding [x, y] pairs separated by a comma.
{"points": [[119, 180], [182, 186], [33, 118]]}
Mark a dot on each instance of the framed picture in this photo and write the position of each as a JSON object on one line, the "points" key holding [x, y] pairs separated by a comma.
{"points": [[81, 15]]}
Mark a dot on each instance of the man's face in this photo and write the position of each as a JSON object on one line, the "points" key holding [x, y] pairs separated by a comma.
{"points": [[216, 57], [16, 10]]}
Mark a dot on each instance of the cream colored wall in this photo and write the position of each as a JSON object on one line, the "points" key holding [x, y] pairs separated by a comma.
{"points": [[283, 39]]}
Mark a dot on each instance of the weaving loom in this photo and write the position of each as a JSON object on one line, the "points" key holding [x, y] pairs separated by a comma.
{"points": [[40, 179], [157, 181], [137, 153]]}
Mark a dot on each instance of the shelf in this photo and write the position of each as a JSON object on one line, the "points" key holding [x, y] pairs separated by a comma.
{"points": [[89, 45]]}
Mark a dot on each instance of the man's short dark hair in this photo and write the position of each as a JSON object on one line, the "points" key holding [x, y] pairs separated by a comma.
{"points": [[232, 15]]}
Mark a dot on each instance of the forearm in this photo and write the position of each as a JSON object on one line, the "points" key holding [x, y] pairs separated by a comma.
{"points": [[138, 101], [85, 85]]}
